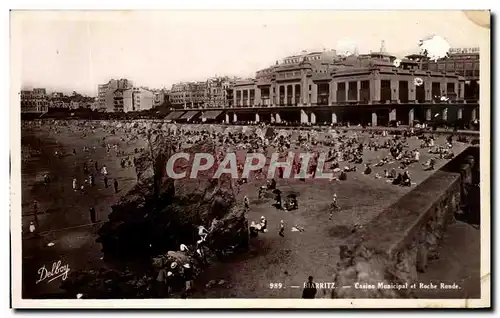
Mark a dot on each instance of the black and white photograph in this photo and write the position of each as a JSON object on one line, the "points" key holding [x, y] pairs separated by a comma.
{"points": [[250, 159]]}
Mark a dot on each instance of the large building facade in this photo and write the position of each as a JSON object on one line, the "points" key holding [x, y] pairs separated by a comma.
{"points": [[369, 79], [34, 101], [322, 86], [132, 99], [106, 92], [219, 92], [294, 82], [374, 87], [216, 92], [189, 95], [161, 97], [464, 62]]}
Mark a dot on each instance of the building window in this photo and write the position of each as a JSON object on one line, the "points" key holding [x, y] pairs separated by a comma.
{"points": [[310, 87], [450, 88], [436, 89], [468, 66]]}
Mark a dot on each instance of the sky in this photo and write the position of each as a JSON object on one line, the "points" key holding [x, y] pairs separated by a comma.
{"points": [[77, 50]]}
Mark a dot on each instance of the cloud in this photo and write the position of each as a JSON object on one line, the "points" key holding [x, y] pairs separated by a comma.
{"points": [[434, 47]]}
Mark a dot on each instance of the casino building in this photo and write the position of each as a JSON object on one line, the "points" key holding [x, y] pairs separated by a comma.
{"points": [[370, 89]]}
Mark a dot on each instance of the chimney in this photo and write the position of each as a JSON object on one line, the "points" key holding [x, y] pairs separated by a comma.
{"points": [[382, 46]]}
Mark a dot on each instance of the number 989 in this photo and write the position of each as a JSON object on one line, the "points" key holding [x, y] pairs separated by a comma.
{"points": [[275, 285]]}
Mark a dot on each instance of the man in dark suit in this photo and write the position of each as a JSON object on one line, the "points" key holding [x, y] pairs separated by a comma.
{"points": [[309, 291]]}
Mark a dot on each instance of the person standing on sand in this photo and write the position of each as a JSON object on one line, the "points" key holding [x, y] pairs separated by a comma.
{"points": [[105, 181], [92, 215], [282, 229], [246, 202], [104, 170], [115, 184], [74, 184], [334, 206], [188, 278], [309, 291], [35, 211]]}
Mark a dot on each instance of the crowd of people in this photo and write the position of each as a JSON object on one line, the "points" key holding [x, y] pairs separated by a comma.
{"points": [[346, 153]]}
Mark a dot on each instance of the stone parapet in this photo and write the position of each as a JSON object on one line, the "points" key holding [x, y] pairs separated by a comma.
{"points": [[383, 259]]}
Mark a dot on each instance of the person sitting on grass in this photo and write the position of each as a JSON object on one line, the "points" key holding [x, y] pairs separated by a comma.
{"points": [[429, 164], [254, 229], [271, 185], [448, 155], [277, 199], [368, 169], [350, 169], [262, 190], [386, 174], [382, 162], [343, 175], [406, 180], [398, 179], [291, 203]]}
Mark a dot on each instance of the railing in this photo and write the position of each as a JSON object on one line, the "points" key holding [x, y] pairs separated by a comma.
{"points": [[281, 76], [265, 101]]}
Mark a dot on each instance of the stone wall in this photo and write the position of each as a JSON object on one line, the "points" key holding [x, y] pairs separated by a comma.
{"points": [[395, 246]]}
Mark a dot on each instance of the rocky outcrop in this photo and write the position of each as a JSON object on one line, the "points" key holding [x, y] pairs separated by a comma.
{"points": [[231, 232], [144, 223], [128, 227], [155, 227]]}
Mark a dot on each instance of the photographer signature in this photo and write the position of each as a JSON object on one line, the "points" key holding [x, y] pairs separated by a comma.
{"points": [[56, 272]]}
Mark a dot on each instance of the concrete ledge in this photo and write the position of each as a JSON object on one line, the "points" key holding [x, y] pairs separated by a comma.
{"points": [[393, 228], [387, 254]]}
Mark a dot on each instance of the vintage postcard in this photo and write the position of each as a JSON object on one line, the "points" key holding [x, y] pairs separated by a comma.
{"points": [[250, 159]]}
